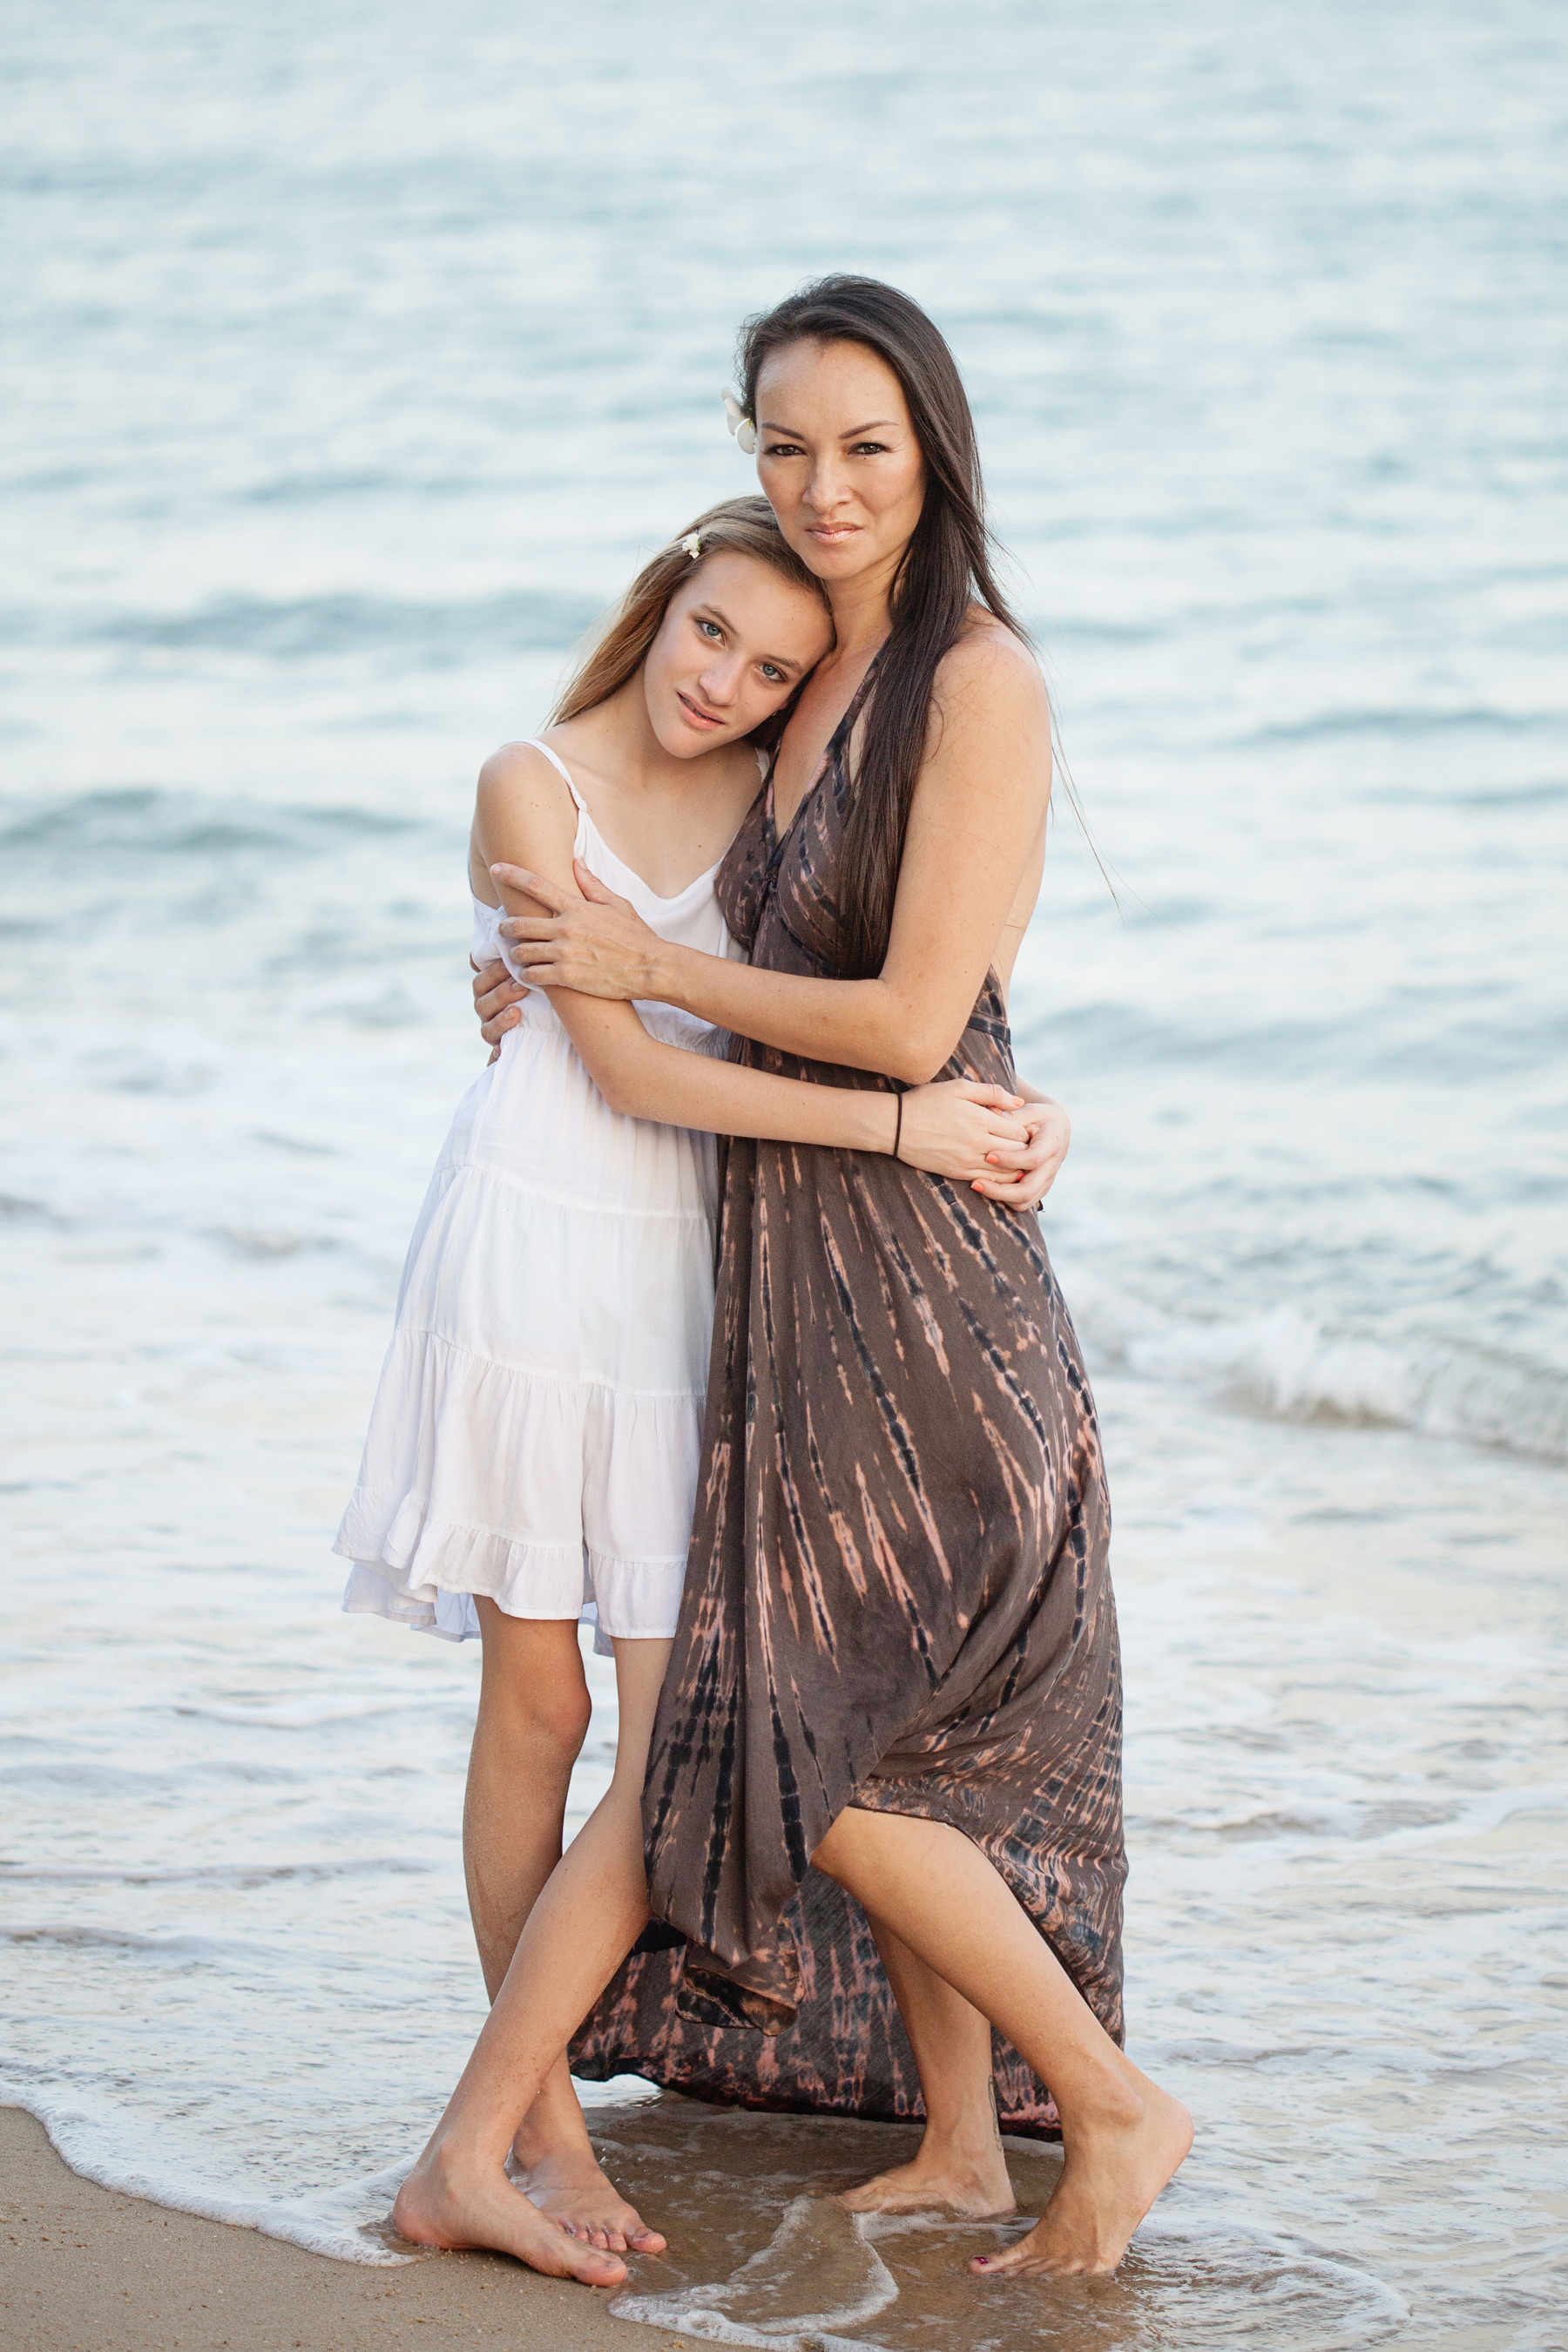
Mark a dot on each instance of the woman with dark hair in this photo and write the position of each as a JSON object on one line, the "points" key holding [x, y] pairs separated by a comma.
{"points": [[887, 1752]]}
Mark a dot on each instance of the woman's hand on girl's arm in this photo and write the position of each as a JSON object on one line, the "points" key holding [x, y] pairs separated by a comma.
{"points": [[614, 953]]}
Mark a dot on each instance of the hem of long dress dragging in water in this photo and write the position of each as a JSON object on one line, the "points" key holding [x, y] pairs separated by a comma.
{"points": [[843, 2053]]}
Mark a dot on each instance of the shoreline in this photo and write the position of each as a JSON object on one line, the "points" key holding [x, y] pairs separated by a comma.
{"points": [[89, 2267]]}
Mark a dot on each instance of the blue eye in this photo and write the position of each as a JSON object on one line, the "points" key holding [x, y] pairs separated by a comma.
{"points": [[711, 628], [774, 677]]}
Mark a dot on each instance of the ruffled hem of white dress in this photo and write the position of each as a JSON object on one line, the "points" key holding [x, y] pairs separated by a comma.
{"points": [[425, 1573]]}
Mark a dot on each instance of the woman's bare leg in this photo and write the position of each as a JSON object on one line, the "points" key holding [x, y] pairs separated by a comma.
{"points": [[960, 2161], [532, 1720], [579, 1931], [1122, 2136]]}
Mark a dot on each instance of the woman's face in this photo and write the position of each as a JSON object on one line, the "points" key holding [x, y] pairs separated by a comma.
{"points": [[837, 458], [735, 641]]}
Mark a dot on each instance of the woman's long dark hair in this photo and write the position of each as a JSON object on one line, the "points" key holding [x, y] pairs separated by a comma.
{"points": [[947, 566]]}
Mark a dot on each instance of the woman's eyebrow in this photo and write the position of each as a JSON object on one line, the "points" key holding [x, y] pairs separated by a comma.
{"points": [[877, 424]]}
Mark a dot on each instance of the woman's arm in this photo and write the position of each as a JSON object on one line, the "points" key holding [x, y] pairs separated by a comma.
{"points": [[962, 1131], [976, 822], [1033, 1168], [968, 1132]]}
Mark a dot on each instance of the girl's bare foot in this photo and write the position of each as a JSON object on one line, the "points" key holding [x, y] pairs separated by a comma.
{"points": [[972, 2183], [444, 2204], [1112, 2172], [572, 2188]]}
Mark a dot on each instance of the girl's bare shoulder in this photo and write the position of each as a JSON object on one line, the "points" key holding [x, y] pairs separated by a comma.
{"points": [[517, 764], [518, 785]]}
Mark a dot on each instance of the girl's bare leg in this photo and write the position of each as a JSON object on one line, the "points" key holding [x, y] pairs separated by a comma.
{"points": [[532, 1720], [1122, 2136], [579, 1931], [960, 2161]]}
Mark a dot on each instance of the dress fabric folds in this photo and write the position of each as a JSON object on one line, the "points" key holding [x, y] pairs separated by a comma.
{"points": [[898, 1594]]}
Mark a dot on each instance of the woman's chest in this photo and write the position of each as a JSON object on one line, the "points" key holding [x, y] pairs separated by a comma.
{"points": [[780, 892], [811, 736]]}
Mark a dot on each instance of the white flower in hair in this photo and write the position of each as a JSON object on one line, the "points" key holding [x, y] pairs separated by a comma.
{"points": [[738, 423], [692, 543]]}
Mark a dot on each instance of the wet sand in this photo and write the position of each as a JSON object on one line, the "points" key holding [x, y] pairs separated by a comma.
{"points": [[762, 2254], [85, 2267]]}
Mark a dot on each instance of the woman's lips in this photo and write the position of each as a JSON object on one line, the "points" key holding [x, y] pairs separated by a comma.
{"points": [[830, 533], [695, 711]]}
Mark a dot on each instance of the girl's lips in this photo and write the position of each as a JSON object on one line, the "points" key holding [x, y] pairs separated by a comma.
{"points": [[833, 530], [703, 718]]}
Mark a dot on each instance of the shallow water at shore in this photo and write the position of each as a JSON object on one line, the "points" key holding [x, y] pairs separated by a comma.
{"points": [[242, 1978], [358, 356]]}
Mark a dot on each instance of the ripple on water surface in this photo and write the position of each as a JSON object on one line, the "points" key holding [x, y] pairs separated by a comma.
{"points": [[763, 2255]]}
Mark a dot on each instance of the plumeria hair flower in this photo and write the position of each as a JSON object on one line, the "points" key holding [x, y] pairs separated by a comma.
{"points": [[739, 423], [692, 543]]}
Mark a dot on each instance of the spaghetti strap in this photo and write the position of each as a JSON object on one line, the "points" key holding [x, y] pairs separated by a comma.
{"points": [[559, 766], [858, 701]]}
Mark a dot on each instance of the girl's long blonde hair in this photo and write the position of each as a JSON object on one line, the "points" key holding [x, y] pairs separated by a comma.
{"points": [[738, 526]]}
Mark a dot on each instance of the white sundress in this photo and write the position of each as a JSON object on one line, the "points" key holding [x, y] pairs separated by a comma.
{"points": [[536, 1431]]}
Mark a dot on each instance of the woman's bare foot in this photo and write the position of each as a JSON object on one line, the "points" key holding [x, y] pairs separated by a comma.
{"points": [[973, 2183], [572, 2188], [441, 2204], [1112, 2172]]}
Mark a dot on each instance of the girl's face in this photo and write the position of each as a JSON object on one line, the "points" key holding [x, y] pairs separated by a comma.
{"points": [[735, 642], [837, 458]]}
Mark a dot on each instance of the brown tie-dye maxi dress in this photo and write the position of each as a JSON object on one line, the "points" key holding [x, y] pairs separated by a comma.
{"points": [[898, 1594]]}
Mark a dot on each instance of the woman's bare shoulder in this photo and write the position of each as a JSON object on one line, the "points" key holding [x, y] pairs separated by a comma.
{"points": [[990, 671]]}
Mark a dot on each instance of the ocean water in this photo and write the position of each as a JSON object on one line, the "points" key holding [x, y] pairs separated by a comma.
{"points": [[353, 356]]}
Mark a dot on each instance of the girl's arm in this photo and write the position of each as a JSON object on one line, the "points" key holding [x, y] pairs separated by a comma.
{"points": [[966, 1131], [977, 820]]}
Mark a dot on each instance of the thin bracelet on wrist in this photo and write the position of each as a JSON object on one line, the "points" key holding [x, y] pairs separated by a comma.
{"points": [[898, 1125]]}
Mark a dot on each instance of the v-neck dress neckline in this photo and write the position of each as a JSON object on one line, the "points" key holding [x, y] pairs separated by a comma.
{"points": [[778, 841]]}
